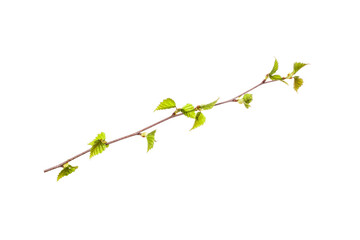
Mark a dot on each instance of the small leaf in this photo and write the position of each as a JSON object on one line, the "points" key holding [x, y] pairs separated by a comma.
{"points": [[68, 169], [150, 137], [209, 105], [247, 99], [275, 67], [298, 82], [188, 110], [199, 120], [276, 77], [166, 104], [298, 66], [98, 145]]}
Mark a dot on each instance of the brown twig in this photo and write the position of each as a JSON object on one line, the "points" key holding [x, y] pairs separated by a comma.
{"points": [[152, 125]]}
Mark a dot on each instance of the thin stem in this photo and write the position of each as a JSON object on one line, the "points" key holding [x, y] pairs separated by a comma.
{"points": [[70, 159], [152, 125], [234, 99], [139, 132]]}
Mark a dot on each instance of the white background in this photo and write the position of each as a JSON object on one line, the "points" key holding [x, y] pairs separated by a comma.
{"points": [[287, 168]]}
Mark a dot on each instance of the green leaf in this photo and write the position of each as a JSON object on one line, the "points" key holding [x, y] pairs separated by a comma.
{"points": [[275, 67], [298, 66], [276, 77], [209, 105], [199, 120], [188, 107], [247, 99], [298, 82], [67, 169], [188, 110], [150, 137], [98, 145], [166, 104], [100, 136]]}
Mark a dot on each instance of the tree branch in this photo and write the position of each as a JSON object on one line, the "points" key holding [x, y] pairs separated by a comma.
{"points": [[152, 125]]}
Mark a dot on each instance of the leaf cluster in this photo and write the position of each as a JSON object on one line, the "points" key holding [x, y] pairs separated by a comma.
{"points": [[188, 110], [98, 145], [298, 82], [246, 100]]}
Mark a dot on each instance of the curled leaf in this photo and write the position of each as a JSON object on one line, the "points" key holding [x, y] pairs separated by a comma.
{"points": [[298, 66], [150, 137], [298, 82], [246, 100], [275, 67], [199, 120]]}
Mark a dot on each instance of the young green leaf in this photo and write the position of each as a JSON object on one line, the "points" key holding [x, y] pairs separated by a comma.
{"points": [[298, 66], [298, 82], [166, 104], [275, 67], [100, 136], [199, 120], [188, 110], [276, 77], [150, 137], [209, 105], [247, 99], [98, 145], [67, 169], [188, 107]]}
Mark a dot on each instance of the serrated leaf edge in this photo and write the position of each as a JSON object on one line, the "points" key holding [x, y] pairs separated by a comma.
{"points": [[98, 145], [209, 105], [196, 122], [167, 103], [66, 171], [275, 67], [150, 137], [188, 110]]}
